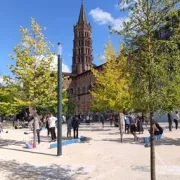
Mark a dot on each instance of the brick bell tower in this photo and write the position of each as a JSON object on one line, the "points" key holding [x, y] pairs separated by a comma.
{"points": [[82, 45]]}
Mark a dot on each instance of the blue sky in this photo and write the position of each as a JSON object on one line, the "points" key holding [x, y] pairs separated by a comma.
{"points": [[58, 16]]}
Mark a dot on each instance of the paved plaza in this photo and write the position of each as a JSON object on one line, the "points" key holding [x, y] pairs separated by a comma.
{"points": [[102, 157]]}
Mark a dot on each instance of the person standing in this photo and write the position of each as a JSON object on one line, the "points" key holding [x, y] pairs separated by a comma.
{"points": [[47, 124], [170, 121], [176, 119], [102, 120], [69, 125], [133, 126], [52, 127], [37, 125], [111, 120], [75, 125], [127, 124], [87, 120]]}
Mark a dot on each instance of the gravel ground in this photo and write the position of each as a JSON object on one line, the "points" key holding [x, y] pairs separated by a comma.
{"points": [[103, 157]]}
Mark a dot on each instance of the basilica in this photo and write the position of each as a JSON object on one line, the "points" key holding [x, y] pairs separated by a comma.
{"points": [[79, 82]]}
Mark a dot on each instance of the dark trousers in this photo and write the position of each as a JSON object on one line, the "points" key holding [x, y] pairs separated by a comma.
{"points": [[48, 131], [170, 125], [176, 123], [75, 130], [53, 133], [127, 128], [38, 135]]}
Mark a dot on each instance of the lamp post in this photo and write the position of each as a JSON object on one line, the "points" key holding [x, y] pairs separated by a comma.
{"points": [[59, 140]]}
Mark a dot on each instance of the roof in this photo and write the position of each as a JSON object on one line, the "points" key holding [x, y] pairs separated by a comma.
{"points": [[82, 15]]}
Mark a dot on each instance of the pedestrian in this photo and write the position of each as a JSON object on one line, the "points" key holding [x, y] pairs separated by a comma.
{"points": [[127, 124], [176, 119], [52, 127], [37, 126], [111, 120], [140, 128], [102, 120], [170, 121], [75, 125], [88, 120], [133, 126], [47, 124], [69, 125]]}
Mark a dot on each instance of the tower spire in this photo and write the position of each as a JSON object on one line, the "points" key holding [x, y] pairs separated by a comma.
{"points": [[82, 15]]}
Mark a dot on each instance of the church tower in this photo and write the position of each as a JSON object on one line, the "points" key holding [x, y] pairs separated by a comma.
{"points": [[82, 45]]}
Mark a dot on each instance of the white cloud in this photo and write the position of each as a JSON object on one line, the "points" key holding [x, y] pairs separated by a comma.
{"points": [[101, 17], [1, 80], [54, 65]]}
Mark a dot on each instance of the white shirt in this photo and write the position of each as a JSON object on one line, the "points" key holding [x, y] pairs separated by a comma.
{"points": [[52, 122], [176, 116]]}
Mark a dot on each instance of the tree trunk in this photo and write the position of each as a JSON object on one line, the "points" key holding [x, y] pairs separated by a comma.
{"points": [[33, 112], [18, 123], [152, 154], [34, 134], [120, 127]]}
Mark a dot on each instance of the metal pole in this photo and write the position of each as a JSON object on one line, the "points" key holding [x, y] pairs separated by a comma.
{"points": [[59, 141]]}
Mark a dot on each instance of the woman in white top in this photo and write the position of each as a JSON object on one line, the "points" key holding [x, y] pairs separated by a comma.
{"points": [[176, 119]]}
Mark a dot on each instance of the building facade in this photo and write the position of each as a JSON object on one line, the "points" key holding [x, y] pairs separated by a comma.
{"points": [[79, 82]]}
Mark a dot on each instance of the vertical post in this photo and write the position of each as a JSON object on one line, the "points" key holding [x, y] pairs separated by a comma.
{"points": [[152, 149], [59, 141]]}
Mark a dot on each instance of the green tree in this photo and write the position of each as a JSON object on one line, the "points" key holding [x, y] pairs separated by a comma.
{"points": [[71, 104], [8, 106], [111, 89], [151, 58], [32, 69]]}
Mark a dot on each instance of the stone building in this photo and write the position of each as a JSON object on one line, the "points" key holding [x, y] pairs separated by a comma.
{"points": [[79, 81]]}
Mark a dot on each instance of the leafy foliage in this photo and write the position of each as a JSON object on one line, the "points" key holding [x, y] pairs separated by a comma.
{"points": [[32, 70], [111, 90]]}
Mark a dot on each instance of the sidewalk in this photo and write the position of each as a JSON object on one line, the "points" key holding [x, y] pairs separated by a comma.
{"points": [[102, 158]]}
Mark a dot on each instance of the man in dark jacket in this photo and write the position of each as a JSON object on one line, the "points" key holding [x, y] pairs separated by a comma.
{"points": [[170, 121], [75, 125]]}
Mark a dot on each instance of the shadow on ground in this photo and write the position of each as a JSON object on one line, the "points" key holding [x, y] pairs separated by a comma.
{"points": [[166, 141], [9, 142], [5, 143], [93, 129], [14, 170]]}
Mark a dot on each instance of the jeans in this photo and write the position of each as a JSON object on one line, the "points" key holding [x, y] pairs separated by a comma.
{"points": [[38, 135]]}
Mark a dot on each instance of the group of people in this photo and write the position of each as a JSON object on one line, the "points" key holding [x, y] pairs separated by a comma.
{"points": [[173, 117], [48, 121], [135, 124], [73, 123]]}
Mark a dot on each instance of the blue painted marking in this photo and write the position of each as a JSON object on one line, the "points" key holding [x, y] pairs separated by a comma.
{"points": [[67, 142]]}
